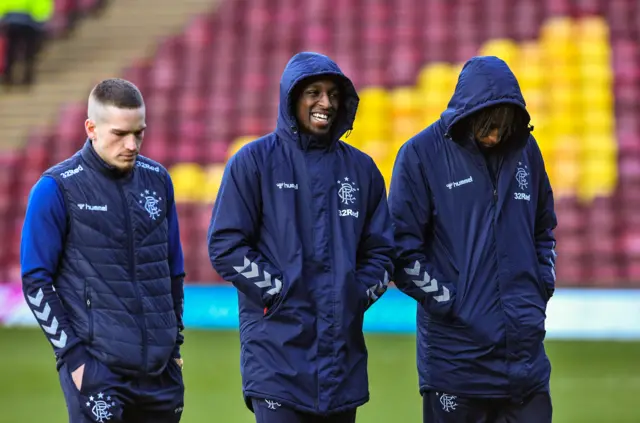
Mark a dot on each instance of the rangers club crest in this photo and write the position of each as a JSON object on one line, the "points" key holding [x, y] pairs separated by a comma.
{"points": [[100, 406], [150, 203]]}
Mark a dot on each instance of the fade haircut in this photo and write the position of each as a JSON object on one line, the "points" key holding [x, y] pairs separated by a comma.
{"points": [[115, 92]]}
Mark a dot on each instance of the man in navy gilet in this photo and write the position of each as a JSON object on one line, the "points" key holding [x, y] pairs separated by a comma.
{"points": [[102, 269], [474, 217], [302, 229]]}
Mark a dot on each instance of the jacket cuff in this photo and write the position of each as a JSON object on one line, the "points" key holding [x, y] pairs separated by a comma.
{"points": [[76, 357], [176, 352]]}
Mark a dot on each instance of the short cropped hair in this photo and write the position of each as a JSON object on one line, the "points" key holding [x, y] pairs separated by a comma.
{"points": [[117, 92]]}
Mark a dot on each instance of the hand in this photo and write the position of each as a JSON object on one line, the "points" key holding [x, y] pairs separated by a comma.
{"points": [[180, 362], [76, 375]]}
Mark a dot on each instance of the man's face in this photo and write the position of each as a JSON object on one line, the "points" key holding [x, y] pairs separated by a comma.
{"points": [[490, 140], [317, 106], [117, 135]]}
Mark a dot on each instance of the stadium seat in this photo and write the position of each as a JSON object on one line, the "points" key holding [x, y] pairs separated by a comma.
{"points": [[188, 180]]}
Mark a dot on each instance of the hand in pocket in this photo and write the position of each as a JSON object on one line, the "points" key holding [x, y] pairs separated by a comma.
{"points": [[77, 375]]}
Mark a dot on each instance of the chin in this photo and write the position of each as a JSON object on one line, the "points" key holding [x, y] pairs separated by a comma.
{"points": [[125, 167]]}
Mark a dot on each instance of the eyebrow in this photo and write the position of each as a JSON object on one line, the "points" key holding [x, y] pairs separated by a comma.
{"points": [[123, 131]]}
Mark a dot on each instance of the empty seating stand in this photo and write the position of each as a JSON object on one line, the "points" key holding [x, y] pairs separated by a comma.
{"points": [[215, 86]]}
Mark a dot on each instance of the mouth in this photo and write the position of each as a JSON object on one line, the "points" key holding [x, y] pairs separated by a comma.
{"points": [[321, 119]]}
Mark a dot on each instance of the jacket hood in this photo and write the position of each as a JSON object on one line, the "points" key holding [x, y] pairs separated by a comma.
{"points": [[303, 66], [484, 81]]}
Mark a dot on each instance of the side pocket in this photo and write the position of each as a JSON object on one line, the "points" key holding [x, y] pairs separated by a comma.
{"points": [[85, 379], [89, 302]]}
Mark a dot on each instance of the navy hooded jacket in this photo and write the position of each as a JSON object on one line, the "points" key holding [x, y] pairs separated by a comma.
{"points": [[302, 230], [102, 264], [476, 251]]}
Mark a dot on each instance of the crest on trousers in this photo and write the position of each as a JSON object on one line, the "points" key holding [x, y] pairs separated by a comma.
{"points": [[150, 203], [100, 406], [448, 402], [272, 405]]}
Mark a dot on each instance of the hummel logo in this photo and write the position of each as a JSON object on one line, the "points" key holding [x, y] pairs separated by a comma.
{"points": [[92, 208], [451, 185], [282, 185]]}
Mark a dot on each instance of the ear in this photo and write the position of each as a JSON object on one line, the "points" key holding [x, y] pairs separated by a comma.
{"points": [[90, 129]]}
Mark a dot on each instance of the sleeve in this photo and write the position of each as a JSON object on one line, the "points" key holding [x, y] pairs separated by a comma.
{"points": [[411, 210], [376, 249], [233, 230], [176, 265], [43, 236], [546, 222]]}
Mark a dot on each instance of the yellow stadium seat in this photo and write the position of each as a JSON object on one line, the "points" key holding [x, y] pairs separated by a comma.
{"points": [[238, 143], [598, 121], [505, 49], [597, 97], [404, 101], [188, 180], [593, 51], [592, 28], [437, 77], [598, 178], [378, 150], [213, 179], [373, 100], [565, 166], [374, 128], [596, 73], [563, 99], [557, 27], [529, 77]]}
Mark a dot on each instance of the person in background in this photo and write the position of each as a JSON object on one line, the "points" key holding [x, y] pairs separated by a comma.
{"points": [[23, 25]]}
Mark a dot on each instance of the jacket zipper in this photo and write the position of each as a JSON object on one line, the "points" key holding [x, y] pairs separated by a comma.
{"points": [[132, 273], [313, 242], [87, 295], [495, 238]]}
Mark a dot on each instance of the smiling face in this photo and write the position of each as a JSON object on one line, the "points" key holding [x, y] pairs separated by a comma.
{"points": [[317, 106]]}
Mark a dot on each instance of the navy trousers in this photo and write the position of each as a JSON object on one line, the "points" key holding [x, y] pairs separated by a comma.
{"points": [[107, 397], [439, 407], [269, 411]]}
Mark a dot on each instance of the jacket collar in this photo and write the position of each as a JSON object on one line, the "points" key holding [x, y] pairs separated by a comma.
{"points": [[95, 162]]}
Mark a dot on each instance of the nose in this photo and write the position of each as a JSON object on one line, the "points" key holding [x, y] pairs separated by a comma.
{"points": [[324, 101], [130, 143], [493, 136]]}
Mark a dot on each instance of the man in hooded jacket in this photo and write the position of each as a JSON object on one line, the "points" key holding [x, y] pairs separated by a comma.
{"points": [[473, 216], [302, 229]]}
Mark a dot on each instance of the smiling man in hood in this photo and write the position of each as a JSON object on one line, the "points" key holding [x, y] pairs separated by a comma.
{"points": [[302, 229], [473, 215]]}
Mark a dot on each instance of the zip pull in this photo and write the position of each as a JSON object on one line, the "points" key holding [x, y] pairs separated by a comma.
{"points": [[495, 194]]}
